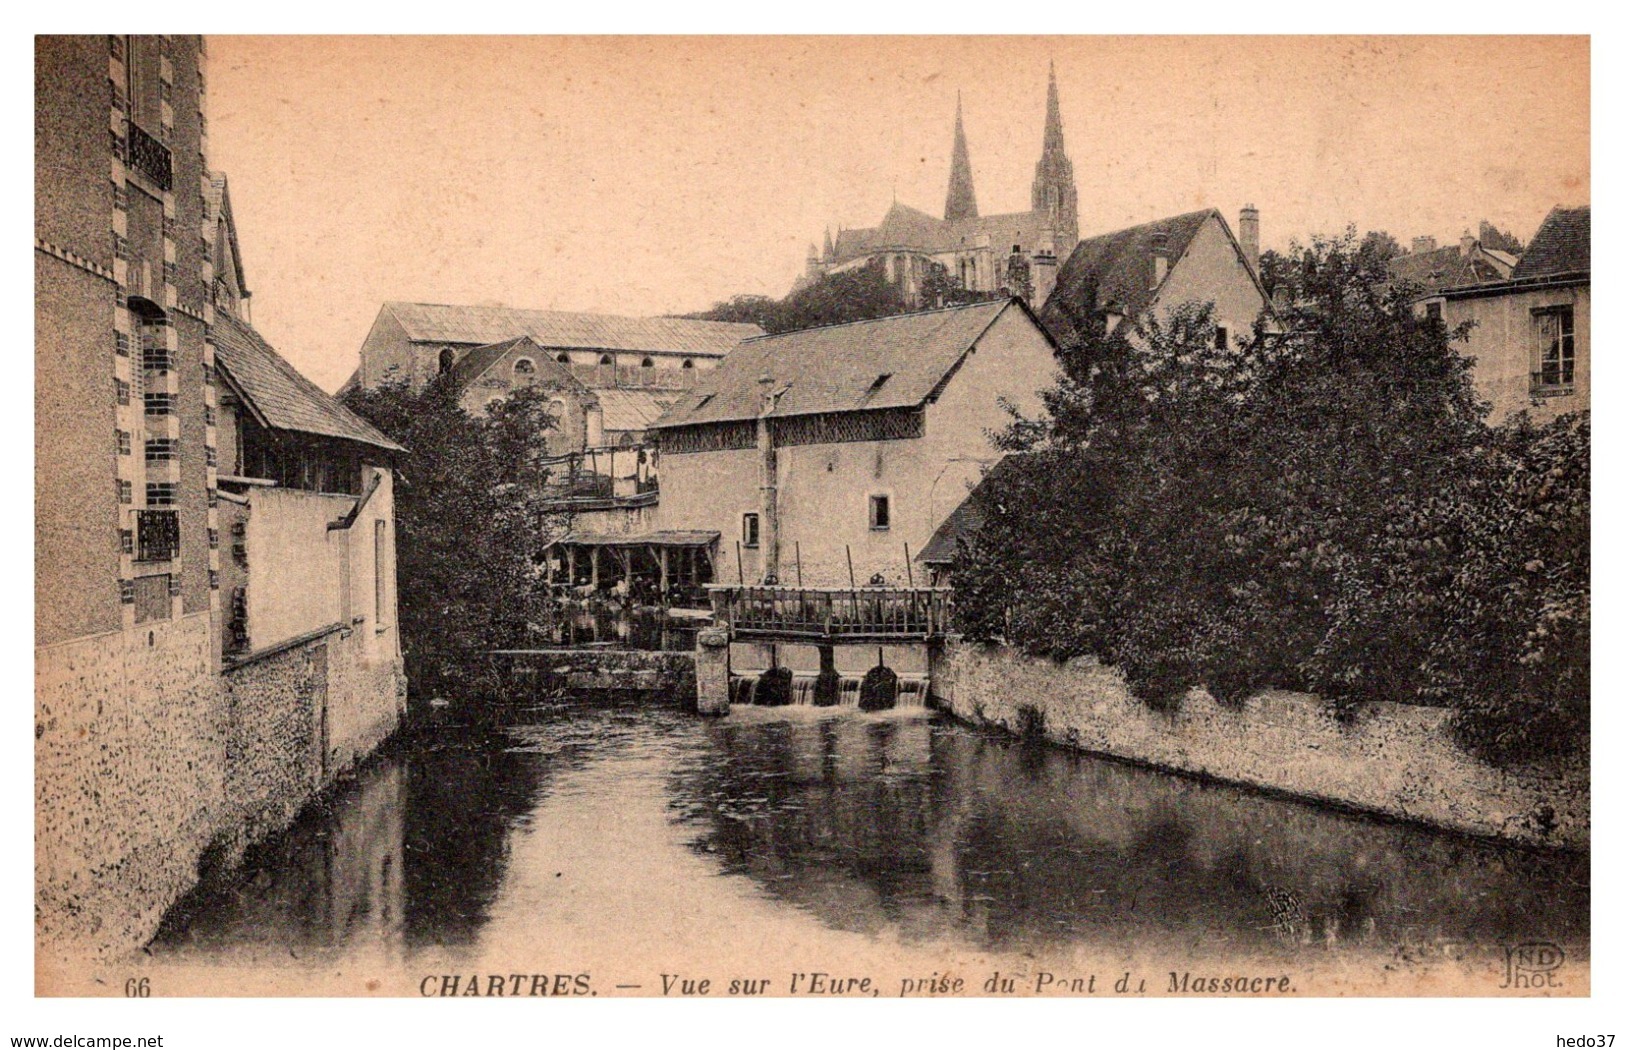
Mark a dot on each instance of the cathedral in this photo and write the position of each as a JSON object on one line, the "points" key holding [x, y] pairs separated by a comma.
{"points": [[1015, 253]]}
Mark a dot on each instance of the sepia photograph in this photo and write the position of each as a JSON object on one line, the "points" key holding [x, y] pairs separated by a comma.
{"points": [[817, 517]]}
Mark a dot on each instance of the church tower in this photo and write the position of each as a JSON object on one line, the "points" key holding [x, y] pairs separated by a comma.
{"points": [[961, 193], [1055, 193]]}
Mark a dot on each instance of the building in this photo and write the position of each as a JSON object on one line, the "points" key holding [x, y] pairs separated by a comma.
{"points": [[1014, 253], [1429, 268], [1158, 266], [1531, 335], [647, 361], [160, 746], [488, 374], [832, 454]]}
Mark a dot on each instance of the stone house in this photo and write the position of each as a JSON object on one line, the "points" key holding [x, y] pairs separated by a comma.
{"points": [[857, 438], [1531, 335], [155, 753], [649, 360], [1158, 266]]}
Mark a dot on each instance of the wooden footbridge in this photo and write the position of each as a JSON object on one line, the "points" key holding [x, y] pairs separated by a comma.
{"points": [[819, 616]]}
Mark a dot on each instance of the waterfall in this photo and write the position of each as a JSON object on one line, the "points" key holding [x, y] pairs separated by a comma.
{"points": [[911, 690]]}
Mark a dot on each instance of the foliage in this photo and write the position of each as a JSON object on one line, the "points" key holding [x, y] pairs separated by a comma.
{"points": [[1492, 237], [469, 526], [1318, 509], [859, 294], [1515, 652]]}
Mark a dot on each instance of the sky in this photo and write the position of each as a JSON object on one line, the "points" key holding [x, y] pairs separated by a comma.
{"points": [[658, 175]]}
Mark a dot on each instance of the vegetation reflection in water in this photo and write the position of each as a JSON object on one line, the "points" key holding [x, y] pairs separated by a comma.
{"points": [[907, 828]]}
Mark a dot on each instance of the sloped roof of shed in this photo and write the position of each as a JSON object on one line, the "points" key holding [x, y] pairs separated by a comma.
{"points": [[891, 362], [482, 325], [279, 395]]}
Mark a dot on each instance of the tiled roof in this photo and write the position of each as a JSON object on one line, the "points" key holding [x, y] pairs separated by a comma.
{"points": [[481, 359], [633, 409], [1562, 245], [839, 368], [1442, 268], [482, 325], [278, 394], [663, 538], [1116, 268]]}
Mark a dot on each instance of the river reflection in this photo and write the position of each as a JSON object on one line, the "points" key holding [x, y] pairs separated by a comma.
{"points": [[605, 834]]}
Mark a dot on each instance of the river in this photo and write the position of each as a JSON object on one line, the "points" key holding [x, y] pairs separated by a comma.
{"points": [[599, 846]]}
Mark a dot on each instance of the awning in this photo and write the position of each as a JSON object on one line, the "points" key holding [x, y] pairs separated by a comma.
{"points": [[664, 538]]}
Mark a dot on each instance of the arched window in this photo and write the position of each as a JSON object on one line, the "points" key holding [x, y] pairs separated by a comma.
{"points": [[448, 357], [688, 363], [626, 441], [564, 357], [648, 362], [524, 367], [606, 360]]}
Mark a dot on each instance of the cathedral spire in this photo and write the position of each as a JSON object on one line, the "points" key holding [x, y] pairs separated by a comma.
{"points": [[1055, 193], [1053, 141], [961, 193]]}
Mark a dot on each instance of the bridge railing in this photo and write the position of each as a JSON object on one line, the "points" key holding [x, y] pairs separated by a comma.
{"points": [[865, 613]]}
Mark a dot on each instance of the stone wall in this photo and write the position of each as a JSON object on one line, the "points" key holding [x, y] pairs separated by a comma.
{"points": [[129, 781], [300, 717], [1393, 759]]}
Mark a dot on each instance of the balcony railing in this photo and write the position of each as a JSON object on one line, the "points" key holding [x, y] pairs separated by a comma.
{"points": [[157, 535], [150, 157]]}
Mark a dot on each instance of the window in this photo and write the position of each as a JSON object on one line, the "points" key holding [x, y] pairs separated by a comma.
{"points": [[648, 362], [524, 367], [606, 360], [688, 363], [1221, 338], [1554, 349], [563, 358], [750, 530], [1435, 311], [879, 513]]}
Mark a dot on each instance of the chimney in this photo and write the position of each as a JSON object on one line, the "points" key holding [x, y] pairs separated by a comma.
{"points": [[768, 459], [1423, 244], [1159, 258], [1468, 243], [1249, 235]]}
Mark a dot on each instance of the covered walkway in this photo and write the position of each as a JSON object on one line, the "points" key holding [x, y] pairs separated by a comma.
{"points": [[667, 565]]}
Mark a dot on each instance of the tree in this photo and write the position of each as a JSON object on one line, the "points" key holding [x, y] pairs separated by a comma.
{"points": [[1491, 237], [468, 528], [1323, 509]]}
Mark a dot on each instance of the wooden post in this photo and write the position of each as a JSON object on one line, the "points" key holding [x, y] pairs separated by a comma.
{"points": [[570, 562], [799, 583], [739, 558], [665, 578], [852, 578], [595, 569]]}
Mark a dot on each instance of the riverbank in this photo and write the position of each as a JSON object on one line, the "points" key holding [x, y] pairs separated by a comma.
{"points": [[1396, 760]]}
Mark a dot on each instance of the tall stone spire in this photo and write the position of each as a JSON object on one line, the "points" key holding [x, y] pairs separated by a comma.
{"points": [[1055, 192], [961, 193]]}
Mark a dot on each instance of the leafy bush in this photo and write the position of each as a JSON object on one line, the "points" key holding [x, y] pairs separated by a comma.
{"points": [[1323, 509]]}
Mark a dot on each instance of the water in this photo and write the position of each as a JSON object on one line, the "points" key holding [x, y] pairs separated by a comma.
{"points": [[624, 842], [911, 690]]}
